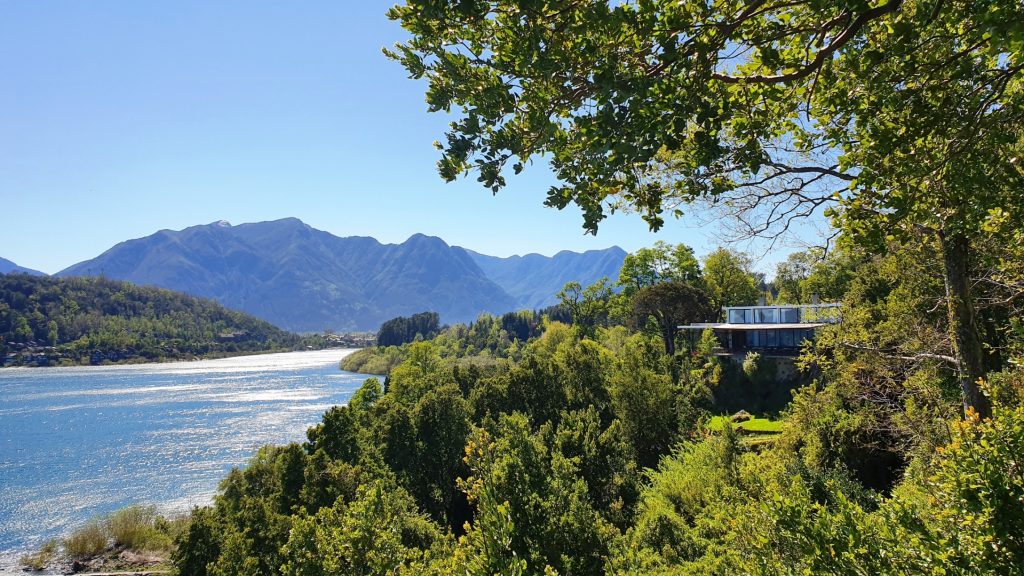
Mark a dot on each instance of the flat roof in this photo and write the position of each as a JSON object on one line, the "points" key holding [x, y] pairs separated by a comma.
{"points": [[728, 326], [777, 306]]}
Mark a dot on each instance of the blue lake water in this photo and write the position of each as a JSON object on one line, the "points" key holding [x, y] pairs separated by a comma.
{"points": [[76, 443]]}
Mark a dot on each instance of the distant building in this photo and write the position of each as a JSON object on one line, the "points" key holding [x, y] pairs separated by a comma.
{"points": [[771, 330]]}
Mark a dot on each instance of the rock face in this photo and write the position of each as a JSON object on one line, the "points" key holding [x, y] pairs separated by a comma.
{"points": [[304, 279]]}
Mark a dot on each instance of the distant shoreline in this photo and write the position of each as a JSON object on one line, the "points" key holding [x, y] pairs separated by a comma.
{"points": [[141, 360]]}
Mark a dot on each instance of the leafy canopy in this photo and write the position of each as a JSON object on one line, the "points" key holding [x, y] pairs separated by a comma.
{"points": [[772, 109]]}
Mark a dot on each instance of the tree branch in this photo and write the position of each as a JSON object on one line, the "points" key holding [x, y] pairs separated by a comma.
{"points": [[822, 55]]}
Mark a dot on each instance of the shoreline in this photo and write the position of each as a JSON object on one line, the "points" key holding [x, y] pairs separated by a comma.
{"points": [[140, 361], [208, 395]]}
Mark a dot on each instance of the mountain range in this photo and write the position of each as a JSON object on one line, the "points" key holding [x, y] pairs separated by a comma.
{"points": [[304, 279]]}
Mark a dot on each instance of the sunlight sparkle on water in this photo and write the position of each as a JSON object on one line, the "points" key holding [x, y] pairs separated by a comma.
{"points": [[79, 442]]}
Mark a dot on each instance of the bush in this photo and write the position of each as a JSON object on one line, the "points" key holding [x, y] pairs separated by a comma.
{"points": [[377, 360], [86, 542], [751, 364], [135, 527], [42, 558]]}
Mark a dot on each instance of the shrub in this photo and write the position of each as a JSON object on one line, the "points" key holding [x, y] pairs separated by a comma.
{"points": [[135, 527], [751, 364], [86, 542], [41, 558]]}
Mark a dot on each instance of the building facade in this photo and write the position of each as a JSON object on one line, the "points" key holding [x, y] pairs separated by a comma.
{"points": [[771, 330]]}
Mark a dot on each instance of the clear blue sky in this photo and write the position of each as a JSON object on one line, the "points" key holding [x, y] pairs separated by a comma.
{"points": [[118, 119]]}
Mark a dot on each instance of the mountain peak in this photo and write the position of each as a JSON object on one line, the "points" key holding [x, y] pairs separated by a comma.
{"points": [[301, 278], [423, 239]]}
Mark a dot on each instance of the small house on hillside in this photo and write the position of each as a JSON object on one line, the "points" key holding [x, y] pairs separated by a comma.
{"points": [[770, 330]]}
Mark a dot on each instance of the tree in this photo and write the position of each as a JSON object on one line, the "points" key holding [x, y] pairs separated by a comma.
{"points": [[792, 274], [589, 306], [672, 304], [375, 534], [644, 402], [660, 263], [728, 280], [442, 423], [897, 118], [546, 518], [51, 332], [402, 330]]}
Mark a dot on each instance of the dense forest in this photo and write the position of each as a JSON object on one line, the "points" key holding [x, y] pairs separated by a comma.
{"points": [[46, 320], [402, 330], [588, 448], [484, 340]]}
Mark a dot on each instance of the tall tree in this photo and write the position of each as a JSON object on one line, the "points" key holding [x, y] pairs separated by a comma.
{"points": [[588, 306], [728, 280], [792, 274], [660, 263], [898, 117], [672, 304]]}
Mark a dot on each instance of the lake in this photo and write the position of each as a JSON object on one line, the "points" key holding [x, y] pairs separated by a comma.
{"points": [[80, 442]]}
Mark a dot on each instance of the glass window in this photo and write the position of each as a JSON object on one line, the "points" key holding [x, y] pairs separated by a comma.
{"points": [[790, 315], [748, 316], [772, 338], [767, 315], [736, 316], [786, 338], [754, 339]]}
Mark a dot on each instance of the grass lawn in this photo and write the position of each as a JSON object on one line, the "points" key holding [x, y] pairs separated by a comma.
{"points": [[756, 425]]}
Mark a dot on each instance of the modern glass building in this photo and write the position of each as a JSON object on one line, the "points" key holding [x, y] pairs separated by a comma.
{"points": [[771, 329]]}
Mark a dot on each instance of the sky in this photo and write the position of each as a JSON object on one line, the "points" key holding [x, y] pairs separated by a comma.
{"points": [[118, 119]]}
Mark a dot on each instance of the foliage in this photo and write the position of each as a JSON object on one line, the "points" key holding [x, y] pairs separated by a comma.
{"points": [[728, 279], [898, 120], [94, 319], [809, 274], [672, 304], [981, 488], [377, 360], [594, 452], [589, 306], [136, 528], [87, 541], [752, 364], [402, 330], [488, 335], [645, 401], [42, 557], [660, 263], [544, 498], [376, 533]]}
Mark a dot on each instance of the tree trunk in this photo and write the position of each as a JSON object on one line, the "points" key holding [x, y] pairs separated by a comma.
{"points": [[963, 326], [668, 334]]}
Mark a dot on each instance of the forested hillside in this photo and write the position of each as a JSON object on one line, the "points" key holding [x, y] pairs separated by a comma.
{"points": [[45, 320]]}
